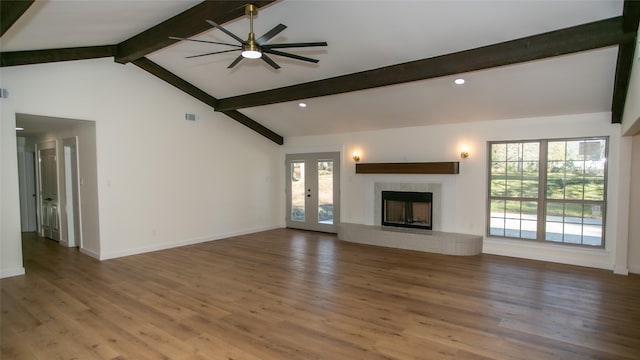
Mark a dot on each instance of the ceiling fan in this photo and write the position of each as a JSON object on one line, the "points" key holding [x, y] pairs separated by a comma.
{"points": [[253, 48]]}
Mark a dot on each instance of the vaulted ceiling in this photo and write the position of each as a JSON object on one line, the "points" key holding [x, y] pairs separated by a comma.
{"points": [[388, 64]]}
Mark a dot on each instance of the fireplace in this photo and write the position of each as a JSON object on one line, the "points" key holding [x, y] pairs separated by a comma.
{"points": [[407, 209]]}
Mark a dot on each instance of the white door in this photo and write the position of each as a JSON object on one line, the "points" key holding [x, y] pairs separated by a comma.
{"points": [[27, 188], [48, 179], [31, 203], [72, 210], [313, 191]]}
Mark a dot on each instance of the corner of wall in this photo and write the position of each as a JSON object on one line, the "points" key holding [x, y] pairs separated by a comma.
{"points": [[5, 273], [631, 115]]}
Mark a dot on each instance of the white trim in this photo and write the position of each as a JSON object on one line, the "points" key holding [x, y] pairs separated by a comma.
{"points": [[90, 253], [164, 246], [5, 273], [623, 187], [620, 270], [72, 142]]}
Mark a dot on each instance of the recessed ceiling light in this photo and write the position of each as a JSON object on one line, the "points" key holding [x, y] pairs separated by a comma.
{"points": [[459, 81], [302, 105], [19, 129]]}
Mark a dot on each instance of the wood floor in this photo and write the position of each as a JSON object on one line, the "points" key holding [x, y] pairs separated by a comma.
{"points": [[287, 294]]}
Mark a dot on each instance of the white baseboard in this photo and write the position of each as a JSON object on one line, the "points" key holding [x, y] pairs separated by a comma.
{"points": [[170, 245], [5, 273], [93, 254], [620, 270]]}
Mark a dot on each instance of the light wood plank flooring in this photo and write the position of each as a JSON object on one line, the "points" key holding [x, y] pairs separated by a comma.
{"points": [[287, 294]]}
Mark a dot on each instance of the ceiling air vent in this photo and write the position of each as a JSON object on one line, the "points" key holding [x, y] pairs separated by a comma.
{"points": [[190, 117], [4, 93]]}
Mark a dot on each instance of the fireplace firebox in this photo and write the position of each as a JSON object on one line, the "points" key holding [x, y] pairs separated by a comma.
{"points": [[407, 209]]}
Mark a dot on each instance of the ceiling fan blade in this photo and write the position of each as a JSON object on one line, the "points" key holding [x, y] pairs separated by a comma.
{"points": [[293, 56], [211, 53], [235, 62], [269, 61], [293, 45], [270, 34], [203, 41], [226, 31]]}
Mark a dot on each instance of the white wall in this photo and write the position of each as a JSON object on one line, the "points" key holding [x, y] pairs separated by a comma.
{"points": [[161, 181], [10, 245], [634, 209], [631, 116], [630, 127], [466, 193]]}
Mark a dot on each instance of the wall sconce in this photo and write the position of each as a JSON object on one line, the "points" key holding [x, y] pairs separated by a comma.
{"points": [[356, 156], [464, 152]]}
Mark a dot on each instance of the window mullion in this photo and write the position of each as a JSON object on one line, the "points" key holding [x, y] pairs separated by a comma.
{"points": [[542, 191]]}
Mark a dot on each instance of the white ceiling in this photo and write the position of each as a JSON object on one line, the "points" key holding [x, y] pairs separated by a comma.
{"points": [[362, 35]]}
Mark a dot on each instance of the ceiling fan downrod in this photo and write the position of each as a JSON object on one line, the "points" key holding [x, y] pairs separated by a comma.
{"points": [[251, 50]]}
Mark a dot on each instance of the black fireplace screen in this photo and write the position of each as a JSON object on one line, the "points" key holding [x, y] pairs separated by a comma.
{"points": [[407, 209]]}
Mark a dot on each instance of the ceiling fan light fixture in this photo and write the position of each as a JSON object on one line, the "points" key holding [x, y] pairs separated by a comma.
{"points": [[251, 51]]}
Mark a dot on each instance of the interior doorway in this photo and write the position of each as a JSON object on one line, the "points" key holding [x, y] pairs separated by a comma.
{"points": [[313, 191], [66, 204]]}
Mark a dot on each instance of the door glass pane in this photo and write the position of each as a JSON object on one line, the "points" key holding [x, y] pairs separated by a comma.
{"points": [[325, 191], [297, 191]]}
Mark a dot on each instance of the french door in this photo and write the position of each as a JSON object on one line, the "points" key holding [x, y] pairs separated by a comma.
{"points": [[313, 191]]}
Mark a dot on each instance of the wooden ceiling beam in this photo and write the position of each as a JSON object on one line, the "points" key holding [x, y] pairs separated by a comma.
{"points": [[630, 15], [197, 93], [565, 41], [11, 11], [186, 24], [15, 58], [630, 20]]}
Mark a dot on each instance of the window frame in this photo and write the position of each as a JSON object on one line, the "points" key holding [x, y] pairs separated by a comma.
{"points": [[542, 196]]}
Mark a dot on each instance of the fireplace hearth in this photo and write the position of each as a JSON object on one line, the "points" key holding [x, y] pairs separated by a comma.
{"points": [[408, 209]]}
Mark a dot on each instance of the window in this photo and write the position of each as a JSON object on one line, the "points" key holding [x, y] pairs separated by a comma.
{"points": [[548, 190]]}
